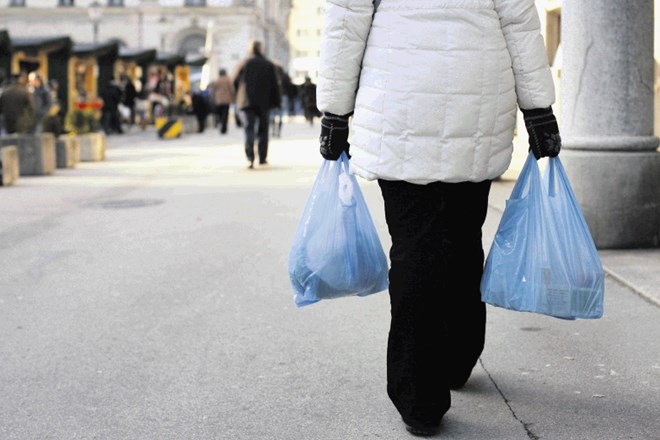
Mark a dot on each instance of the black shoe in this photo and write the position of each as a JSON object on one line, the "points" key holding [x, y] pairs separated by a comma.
{"points": [[263, 162], [457, 381], [421, 432], [251, 166]]}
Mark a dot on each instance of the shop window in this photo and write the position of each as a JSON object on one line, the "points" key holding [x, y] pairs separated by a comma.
{"points": [[17, 3], [195, 3], [65, 3], [116, 3]]}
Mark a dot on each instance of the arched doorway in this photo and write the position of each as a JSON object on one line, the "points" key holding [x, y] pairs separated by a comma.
{"points": [[192, 44]]}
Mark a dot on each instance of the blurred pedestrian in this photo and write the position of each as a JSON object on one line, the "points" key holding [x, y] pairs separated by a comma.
{"points": [[110, 117], [3, 84], [277, 113], [142, 107], [41, 96], [151, 96], [433, 121], [238, 115], [129, 97], [53, 122], [291, 93], [158, 93], [17, 106], [257, 92], [200, 108], [56, 106], [308, 96], [222, 95]]}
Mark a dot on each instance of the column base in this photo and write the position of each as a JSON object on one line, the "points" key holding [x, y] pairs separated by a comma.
{"points": [[619, 193], [611, 143]]}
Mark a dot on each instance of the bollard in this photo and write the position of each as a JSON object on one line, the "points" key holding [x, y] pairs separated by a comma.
{"points": [[9, 168]]}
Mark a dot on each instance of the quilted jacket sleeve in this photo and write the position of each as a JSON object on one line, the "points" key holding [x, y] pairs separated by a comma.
{"points": [[345, 31], [521, 26]]}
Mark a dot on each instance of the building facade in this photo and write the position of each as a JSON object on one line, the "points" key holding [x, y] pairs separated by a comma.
{"points": [[305, 32], [217, 29]]}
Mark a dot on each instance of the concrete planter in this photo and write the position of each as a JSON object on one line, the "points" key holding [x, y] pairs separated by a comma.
{"points": [[36, 153], [92, 147], [9, 170], [68, 151]]}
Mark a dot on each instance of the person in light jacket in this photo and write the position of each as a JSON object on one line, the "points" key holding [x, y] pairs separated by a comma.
{"points": [[221, 95], [431, 89]]}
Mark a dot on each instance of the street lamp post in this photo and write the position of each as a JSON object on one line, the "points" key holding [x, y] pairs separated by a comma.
{"points": [[95, 11]]}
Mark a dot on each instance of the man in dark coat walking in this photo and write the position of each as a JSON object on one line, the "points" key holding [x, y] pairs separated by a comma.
{"points": [[257, 92], [200, 108], [308, 93], [110, 119], [129, 96]]}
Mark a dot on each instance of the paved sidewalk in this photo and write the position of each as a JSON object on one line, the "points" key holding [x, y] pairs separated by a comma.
{"points": [[146, 297], [539, 377]]}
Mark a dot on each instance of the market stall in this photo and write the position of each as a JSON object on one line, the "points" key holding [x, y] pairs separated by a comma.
{"points": [[91, 67], [134, 63], [49, 56]]}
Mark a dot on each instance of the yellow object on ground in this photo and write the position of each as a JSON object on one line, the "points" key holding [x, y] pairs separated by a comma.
{"points": [[169, 128]]}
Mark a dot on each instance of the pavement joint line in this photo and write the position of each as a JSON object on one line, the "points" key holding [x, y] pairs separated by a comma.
{"points": [[525, 426], [638, 291]]}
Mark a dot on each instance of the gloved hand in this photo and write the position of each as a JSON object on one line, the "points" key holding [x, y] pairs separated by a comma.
{"points": [[544, 138], [334, 136]]}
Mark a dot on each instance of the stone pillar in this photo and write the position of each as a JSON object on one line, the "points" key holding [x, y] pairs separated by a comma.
{"points": [[607, 104]]}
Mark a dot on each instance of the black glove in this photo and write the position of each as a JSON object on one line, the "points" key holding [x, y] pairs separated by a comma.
{"points": [[334, 136], [544, 139]]}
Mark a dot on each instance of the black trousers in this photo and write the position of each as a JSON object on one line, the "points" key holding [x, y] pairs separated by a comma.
{"points": [[201, 121], [259, 119], [222, 116], [438, 320]]}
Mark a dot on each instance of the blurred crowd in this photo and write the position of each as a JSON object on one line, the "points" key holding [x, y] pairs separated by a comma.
{"points": [[29, 104], [216, 103]]}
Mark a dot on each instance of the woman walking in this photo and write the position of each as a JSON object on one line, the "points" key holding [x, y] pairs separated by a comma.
{"points": [[433, 87]]}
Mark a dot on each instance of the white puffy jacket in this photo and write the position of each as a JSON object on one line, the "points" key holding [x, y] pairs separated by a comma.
{"points": [[434, 84]]}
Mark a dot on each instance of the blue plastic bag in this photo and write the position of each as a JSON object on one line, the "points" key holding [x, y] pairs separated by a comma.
{"points": [[336, 251], [543, 258]]}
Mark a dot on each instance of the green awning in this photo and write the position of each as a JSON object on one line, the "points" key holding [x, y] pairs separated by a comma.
{"points": [[96, 50], [35, 45], [139, 56], [171, 60]]}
